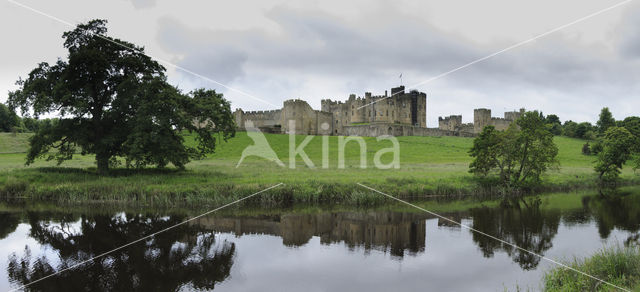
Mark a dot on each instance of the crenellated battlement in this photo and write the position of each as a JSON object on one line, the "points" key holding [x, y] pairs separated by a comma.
{"points": [[261, 112], [295, 101]]}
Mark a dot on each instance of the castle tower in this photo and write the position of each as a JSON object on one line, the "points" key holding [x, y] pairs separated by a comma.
{"points": [[481, 119], [238, 116], [301, 112]]}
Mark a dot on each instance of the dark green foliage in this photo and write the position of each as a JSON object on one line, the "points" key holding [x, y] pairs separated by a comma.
{"points": [[554, 124], [582, 130], [116, 102], [33, 125], [519, 155], [569, 128], [586, 149], [485, 150], [9, 121], [632, 124], [605, 121], [597, 147], [617, 145], [552, 119], [555, 129]]}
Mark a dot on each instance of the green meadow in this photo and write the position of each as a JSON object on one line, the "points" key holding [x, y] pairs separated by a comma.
{"points": [[429, 166]]}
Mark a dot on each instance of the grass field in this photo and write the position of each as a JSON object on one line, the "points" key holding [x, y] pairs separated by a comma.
{"points": [[428, 166]]}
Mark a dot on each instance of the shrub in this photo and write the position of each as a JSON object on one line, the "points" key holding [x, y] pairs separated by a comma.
{"points": [[13, 187], [586, 149]]}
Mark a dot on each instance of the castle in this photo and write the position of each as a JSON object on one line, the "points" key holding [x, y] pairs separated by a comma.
{"points": [[399, 114]]}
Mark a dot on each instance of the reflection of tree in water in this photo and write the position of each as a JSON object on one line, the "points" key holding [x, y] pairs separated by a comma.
{"points": [[621, 212], [8, 223], [184, 256], [527, 227]]}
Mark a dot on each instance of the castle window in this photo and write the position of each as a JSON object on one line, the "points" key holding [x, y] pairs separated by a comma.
{"points": [[387, 113], [352, 113]]}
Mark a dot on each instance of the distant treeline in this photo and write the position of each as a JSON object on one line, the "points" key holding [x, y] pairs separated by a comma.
{"points": [[11, 122], [594, 133], [588, 131]]}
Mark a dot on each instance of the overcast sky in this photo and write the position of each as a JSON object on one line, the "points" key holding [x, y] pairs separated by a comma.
{"points": [[277, 50]]}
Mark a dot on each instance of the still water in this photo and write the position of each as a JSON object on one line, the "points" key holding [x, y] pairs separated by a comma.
{"points": [[304, 249]]}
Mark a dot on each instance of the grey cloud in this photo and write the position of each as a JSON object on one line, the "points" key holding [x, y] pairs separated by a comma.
{"points": [[209, 54], [629, 38], [142, 4], [313, 45], [319, 43]]}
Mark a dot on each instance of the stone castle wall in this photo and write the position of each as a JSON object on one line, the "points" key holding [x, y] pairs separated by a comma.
{"points": [[450, 123], [323, 123], [268, 121], [482, 118], [398, 114], [375, 130]]}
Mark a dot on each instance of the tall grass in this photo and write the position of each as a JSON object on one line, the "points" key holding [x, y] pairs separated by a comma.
{"points": [[617, 265]]}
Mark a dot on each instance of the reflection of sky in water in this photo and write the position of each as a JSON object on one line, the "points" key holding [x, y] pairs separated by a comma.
{"points": [[16, 241], [452, 261]]}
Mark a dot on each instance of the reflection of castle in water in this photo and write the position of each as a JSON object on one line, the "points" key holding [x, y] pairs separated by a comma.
{"points": [[391, 231]]}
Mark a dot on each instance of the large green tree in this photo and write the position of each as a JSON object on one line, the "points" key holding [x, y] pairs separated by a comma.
{"points": [[605, 120], [518, 155], [617, 149], [114, 101], [632, 124], [8, 119]]}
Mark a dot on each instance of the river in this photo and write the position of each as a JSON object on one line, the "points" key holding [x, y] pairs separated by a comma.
{"points": [[306, 248]]}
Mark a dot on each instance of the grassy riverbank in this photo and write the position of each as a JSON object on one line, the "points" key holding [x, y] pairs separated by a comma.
{"points": [[428, 166], [619, 266]]}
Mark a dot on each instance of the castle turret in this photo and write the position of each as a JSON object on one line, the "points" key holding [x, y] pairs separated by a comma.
{"points": [[397, 90], [238, 117], [481, 119]]}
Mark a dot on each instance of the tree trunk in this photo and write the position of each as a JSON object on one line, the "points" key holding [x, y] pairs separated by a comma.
{"points": [[103, 163]]}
